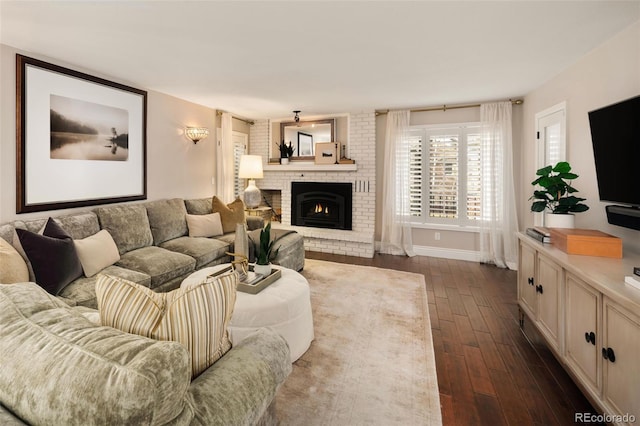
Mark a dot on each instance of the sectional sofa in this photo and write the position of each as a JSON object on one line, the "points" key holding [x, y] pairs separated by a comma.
{"points": [[60, 367], [153, 243]]}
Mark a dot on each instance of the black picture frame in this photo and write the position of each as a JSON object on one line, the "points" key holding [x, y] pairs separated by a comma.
{"points": [[305, 144], [81, 140]]}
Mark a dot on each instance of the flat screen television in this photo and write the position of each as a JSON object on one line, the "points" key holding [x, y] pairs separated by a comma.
{"points": [[615, 135]]}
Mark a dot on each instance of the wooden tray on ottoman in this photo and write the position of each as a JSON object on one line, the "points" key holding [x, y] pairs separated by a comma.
{"points": [[256, 286], [587, 242]]}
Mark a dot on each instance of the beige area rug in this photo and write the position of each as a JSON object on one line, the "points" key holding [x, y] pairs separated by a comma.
{"points": [[372, 360]]}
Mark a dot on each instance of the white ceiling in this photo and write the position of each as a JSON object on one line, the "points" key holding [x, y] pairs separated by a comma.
{"points": [[264, 59]]}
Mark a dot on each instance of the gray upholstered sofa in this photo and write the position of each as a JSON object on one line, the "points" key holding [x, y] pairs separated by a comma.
{"points": [[153, 242], [57, 367]]}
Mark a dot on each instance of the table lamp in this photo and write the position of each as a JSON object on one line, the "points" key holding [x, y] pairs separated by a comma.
{"points": [[251, 168]]}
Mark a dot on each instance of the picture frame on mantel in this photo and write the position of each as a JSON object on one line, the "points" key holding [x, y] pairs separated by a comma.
{"points": [[327, 152], [81, 140]]}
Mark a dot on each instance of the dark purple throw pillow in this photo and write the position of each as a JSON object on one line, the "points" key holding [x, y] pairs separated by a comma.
{"points": [[52, 255]]}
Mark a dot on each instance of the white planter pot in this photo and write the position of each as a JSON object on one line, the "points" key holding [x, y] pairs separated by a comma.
{"points": [[262, 269], [284, 161], [559, 220]]}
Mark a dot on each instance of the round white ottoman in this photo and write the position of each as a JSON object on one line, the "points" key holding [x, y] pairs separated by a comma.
{"points": [[284, 306]]}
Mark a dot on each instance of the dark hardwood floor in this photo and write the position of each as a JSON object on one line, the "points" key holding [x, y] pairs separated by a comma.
{"points": [[489, 372]]}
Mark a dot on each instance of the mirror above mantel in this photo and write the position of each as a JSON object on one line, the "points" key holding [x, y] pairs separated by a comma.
{"points": [[303, 135]]}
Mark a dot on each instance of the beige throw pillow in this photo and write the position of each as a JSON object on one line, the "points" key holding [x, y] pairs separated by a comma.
{"points": [[96, 252], [231, 214], [204, 225], [13, 268], [197, 317]]}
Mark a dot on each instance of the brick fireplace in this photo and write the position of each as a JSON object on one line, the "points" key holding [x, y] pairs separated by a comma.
{"points": [[359, 240]]}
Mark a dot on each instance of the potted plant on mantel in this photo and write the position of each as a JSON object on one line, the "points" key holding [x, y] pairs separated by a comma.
{"points": [[265, 252], [286, 152], [556, 195]]}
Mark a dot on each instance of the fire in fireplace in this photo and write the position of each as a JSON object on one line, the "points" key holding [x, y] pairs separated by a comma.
{"points": [[321, 205]]}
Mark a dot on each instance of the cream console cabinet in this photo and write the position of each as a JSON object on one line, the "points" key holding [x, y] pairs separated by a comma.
{"points": [[590, 320]]}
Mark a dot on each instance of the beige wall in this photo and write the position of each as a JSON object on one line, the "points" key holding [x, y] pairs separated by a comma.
{"points": [[424, 237], [175, 166], [608, 74]]}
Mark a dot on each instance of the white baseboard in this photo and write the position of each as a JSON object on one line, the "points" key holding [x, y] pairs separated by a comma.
{"points": [[447, 253]]}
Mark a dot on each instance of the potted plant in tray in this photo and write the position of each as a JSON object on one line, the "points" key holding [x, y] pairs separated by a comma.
{"points": [[555, 195], [286, 152], [265, 252]]}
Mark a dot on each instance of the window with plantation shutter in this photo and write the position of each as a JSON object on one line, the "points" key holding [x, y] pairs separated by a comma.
{"points": [[474, 176], [415, 175], [239, 148], [445, 174]]}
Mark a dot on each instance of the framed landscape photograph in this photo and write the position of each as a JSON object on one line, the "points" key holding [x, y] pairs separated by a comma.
{"points": [[81, 140]]}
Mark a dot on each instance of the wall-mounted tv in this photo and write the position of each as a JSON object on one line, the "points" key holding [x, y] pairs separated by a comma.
{"points": [[615, 134]]}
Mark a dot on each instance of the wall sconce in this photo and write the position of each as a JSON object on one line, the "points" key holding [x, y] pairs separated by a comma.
{"points": [[196, 133]]}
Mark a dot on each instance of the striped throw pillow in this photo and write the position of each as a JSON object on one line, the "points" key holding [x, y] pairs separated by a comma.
{"points": [[197, 316]]}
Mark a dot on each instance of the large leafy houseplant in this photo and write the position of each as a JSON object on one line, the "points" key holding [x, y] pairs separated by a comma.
{"points": [[266, 253], [556, 193]]}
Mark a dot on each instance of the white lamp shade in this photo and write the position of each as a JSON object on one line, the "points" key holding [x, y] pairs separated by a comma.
{"points": [[250, 167]]}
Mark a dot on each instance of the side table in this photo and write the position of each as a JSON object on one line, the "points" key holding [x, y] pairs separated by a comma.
{"points": [[264, 212]]}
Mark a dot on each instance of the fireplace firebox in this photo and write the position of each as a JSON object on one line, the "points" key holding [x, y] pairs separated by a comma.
{"points": [[321, 204]]}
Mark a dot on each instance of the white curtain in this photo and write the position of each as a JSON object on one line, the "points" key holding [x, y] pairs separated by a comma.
{"points": [[396, 230], [499, 218], [224, 163]]}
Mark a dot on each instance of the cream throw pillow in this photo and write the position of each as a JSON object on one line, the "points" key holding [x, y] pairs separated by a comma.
{"points": [[231, 214], [96, 252], [204, 225], [197, 317], [13, 268]]}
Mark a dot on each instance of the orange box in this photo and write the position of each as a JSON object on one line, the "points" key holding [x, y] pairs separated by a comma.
{"points": [[587, 242]]}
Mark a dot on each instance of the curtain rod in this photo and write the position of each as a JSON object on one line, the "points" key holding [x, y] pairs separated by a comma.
{"points": [[250, 122], [446, 107]]}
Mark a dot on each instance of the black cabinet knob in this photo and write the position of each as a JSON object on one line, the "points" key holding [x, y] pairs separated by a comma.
{"points": [[590, 337], [530, 280], [611, 354], [539, 289], [608, 353]]}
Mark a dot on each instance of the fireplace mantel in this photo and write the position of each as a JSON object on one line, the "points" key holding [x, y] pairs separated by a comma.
{"points": [[310, 167]]}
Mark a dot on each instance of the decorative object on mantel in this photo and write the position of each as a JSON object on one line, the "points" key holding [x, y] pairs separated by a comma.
{"points": [[196, 133], [251, 168], [286, 152], [327, 152], [265, 252], [555, 197]]}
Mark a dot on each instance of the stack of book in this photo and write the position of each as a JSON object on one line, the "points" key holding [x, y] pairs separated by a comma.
{"points": [[634, 280], [539, 233]]}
